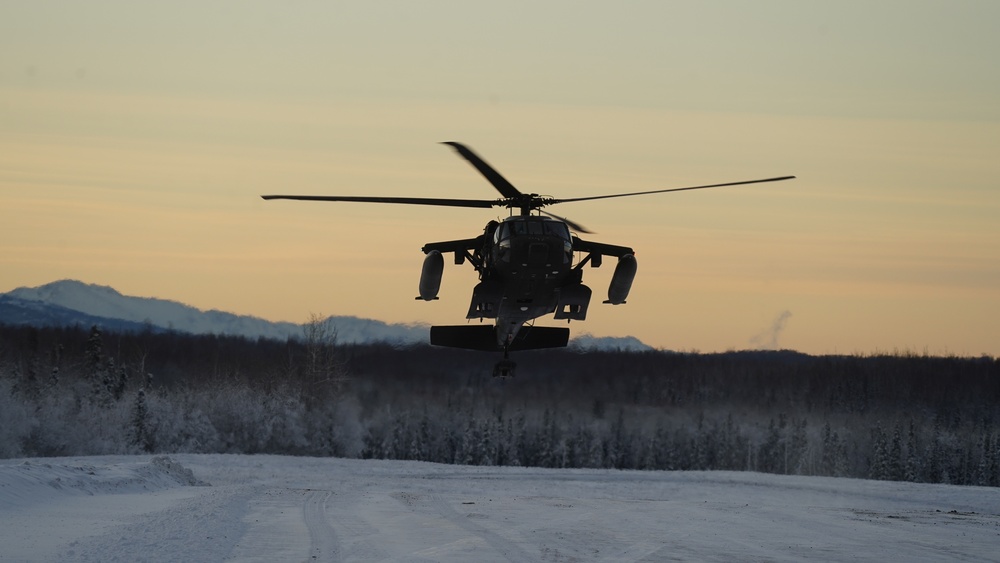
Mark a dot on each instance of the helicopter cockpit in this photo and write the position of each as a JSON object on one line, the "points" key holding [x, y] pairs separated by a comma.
{"points": [[545, 235], [533, 226]]}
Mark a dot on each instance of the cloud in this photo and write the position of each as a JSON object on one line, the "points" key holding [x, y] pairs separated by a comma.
{"points": [[767, 339]]}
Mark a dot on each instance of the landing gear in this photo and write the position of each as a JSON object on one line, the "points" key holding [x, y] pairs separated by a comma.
{"points": [[505, 367]]}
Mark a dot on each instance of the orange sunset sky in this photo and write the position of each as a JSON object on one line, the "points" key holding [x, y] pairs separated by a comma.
{"points": [[136, 139]]}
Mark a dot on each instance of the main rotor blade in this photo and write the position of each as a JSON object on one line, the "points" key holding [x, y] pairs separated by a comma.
{"points": [[482, 203], [778, 179], [499, 182], [573, 225]]}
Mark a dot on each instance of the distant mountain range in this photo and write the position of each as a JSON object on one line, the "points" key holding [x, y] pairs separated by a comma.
{"points": [[71, 302]]}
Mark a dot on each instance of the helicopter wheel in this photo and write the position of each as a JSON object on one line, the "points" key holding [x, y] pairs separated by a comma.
{"points": [[504, 368]]}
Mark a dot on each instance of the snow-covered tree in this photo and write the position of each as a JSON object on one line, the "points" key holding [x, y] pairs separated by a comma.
{"points": [[141, 434]]}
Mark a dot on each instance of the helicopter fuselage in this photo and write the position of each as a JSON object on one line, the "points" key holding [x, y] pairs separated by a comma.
{"points": [[528, 265], [526, 271]]}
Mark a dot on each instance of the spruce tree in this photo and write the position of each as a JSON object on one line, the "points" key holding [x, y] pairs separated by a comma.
{"points": [[826, 465], [913, 470], [895, 462], [879, 468], [983, 476], [840, 462], [797, 448], [769, 458], [95, 364], [141, 434]]}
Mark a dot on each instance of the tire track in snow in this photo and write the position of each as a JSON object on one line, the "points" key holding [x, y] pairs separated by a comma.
{"points": [[323, 545], [507, 548]]}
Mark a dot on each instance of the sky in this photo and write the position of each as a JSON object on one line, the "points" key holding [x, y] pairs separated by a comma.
{"points": [[136, 138]]}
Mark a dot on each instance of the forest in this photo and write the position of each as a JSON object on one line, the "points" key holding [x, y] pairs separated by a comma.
{"points": [[901, 416]]}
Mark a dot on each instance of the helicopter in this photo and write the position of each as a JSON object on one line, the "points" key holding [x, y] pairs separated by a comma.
{"points": [[525, 264]]}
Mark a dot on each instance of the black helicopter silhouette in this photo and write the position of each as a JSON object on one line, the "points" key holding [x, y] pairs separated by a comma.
{"points": [[525, 263]]}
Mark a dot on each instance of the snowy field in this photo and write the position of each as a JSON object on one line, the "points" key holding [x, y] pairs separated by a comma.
{"points": [[273, 508]]}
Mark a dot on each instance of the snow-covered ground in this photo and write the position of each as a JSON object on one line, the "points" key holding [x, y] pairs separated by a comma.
{"points": [[273, 508]]}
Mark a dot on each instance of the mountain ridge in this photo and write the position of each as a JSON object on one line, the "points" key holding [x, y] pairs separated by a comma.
{"points": [[55, 304]]}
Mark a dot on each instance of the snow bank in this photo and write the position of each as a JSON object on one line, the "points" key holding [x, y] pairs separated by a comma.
{"points": [[34, 481]]}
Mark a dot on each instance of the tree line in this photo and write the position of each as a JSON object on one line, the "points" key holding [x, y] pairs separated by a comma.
{"points": [[84, 391]]}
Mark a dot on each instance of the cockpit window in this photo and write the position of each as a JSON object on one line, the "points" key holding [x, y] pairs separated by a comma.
{"points": [[557, 229], [534, 228]]}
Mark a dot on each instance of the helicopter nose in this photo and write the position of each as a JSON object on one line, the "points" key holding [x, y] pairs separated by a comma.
{"points": [[538, 253]]}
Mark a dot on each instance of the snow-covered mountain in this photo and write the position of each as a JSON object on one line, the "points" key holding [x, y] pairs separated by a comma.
{"points": [[71, 302], [584, 342]]}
